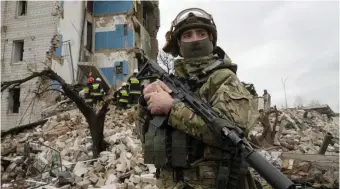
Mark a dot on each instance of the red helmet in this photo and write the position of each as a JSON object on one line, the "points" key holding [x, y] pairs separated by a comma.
{"points": [[90, 80]]}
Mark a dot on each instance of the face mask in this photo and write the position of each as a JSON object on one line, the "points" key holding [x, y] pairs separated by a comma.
{"points": [[196, 49]]}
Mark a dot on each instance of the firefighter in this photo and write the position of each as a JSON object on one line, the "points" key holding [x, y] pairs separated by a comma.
{"points": [[97, 91], [134, 88], [123, 96], [84, 93]]}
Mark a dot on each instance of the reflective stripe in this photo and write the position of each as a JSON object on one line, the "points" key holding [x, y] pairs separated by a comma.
{"points": [[95, 90], [96, 94], [124, 93], [135, 92], [95, 86], [86, 90], [88, 100], [134, 80], [123, 100]]}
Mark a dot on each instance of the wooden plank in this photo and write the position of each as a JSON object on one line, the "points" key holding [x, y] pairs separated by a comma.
{"points": [[320, 161]]}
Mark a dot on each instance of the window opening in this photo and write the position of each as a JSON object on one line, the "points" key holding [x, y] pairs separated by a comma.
{"points": [[18, 51]]}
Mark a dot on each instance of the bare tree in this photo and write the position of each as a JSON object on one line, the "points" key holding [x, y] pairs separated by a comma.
{"points": [[94, 119], [299, 102], [167, 60], [284, 88], [266, 139]]}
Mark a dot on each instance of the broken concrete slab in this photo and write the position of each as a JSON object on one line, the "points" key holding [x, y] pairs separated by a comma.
{"points": [[80, 169]]}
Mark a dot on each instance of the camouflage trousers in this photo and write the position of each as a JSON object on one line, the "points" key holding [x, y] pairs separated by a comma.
{"points": [[165, 181]]}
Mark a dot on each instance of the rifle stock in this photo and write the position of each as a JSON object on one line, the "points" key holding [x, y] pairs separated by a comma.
{"points": [[223, 128]]}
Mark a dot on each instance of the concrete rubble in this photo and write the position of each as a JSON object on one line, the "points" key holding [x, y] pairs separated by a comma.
{"points": [[58, 154], [300, 135], [303, 131]]}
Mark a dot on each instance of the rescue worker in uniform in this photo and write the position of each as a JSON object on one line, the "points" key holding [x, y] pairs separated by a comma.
{"points": [[123, 96], [134, 88], [196, 157], [97, 91], [86, 90]]}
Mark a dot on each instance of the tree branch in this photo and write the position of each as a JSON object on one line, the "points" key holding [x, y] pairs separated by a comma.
{"points": [[6, 84], [166, 60], [81, 104], [103, 110]]}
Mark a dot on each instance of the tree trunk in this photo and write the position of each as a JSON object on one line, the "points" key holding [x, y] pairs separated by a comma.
{"points": [[268, 134], [96, 127]]}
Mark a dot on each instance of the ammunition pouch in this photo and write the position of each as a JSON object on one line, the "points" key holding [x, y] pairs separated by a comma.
{"points": [[160, 148], [157, 143], [179, 149], [222, 177], [166, 147], [148, 147], [231, 172]]}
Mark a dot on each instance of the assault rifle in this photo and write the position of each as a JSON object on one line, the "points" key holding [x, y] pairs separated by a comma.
{"points": [[223, 128]]}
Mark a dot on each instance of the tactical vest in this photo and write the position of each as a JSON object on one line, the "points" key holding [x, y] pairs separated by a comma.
{"points": [[134, 86], [124, 95], [166, 147]]}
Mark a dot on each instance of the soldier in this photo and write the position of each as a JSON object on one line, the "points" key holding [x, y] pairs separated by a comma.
{"points": [[197, 159], [266, 98], [134, 87]]}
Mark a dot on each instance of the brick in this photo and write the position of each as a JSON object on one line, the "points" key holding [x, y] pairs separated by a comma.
{"points": [[36, 29]]}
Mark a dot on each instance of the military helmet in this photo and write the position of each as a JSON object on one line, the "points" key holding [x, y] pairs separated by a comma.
{"points": [[187, 19]]}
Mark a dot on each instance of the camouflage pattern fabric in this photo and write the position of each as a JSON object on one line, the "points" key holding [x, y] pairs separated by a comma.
{"points": [[223, 90], [228, 96], [166, 181]]}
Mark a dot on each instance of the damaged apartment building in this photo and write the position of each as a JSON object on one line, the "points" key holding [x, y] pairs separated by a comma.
{"points": [[106, 39]]}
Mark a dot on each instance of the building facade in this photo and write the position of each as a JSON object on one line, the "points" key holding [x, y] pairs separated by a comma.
{"points": [[107, 39], [120, 36]]}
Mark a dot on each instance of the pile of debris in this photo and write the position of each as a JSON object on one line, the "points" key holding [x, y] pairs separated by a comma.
{"points": [[306, 146], [304, 131], [58, 155]]}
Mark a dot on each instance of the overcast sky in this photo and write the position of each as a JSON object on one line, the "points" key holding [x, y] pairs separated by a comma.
{"points": [[270, 40]]}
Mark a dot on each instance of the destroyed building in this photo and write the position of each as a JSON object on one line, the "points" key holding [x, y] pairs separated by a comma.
{"points": [[122, 34], [107, 39]]}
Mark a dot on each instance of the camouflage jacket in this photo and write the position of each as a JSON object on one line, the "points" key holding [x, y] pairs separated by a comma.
{"points": [[220, 88]]}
